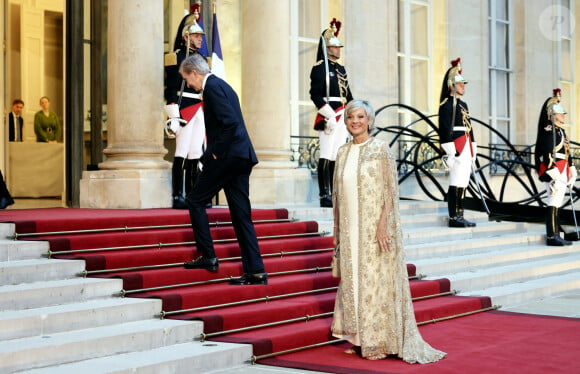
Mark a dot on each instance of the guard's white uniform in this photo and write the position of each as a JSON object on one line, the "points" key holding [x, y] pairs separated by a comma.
{"points": [[460, 169], [190, 139], [330, 141]]}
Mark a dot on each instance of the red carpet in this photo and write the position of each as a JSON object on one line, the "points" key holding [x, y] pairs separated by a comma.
{"points": [[139, 247], [490, 342]]}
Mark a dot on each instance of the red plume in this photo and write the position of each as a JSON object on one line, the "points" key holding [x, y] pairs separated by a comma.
{"points": [[195, 7], [556, 92], [455, 63], [336, 24]]}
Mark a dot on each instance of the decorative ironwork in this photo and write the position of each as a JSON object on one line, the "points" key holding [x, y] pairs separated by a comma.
{"points": [[506, 173], [305, 151]]}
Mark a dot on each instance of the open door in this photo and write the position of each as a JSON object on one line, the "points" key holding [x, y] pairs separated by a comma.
{"points": [[36, 169]]}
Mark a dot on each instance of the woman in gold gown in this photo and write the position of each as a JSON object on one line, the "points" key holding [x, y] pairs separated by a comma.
{"points": [[373, 307]]}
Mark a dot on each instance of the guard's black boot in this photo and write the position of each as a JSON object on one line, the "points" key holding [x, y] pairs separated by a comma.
{"points": [[177, 184], [552, 227], [460, 210], [455, 208], [323, 186]]}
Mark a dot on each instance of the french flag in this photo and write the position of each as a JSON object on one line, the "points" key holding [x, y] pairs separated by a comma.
{"points": [[217, 59], [203, 50]]}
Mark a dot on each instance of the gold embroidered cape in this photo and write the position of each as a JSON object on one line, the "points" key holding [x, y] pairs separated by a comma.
{"points": [[374, 308]]}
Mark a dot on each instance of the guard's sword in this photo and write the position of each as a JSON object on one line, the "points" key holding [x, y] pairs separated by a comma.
{"points": [[477, 183], [573, 211]]}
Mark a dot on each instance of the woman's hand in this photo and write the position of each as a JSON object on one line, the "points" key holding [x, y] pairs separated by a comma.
{"points": [[385, 241]]}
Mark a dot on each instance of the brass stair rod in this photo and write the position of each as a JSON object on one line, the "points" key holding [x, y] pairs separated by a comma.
{"points": [[459, 315], [163, 313], [170, 286], [86, 273], [160, 245], [254, 359], [134, 228], [306, 318], [447, 293], [317, 269]]}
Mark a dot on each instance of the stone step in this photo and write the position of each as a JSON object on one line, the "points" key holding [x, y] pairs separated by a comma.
{"points": [[185, 358], [510, 274], [56, 292], [16, 324], [531, 290], [492, 256], [14, 250], [419, 235], [38, 270], [438, 249], [77, 345], [7, 230]]}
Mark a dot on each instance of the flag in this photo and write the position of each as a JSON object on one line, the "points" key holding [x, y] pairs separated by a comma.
{"points": [[203, 50], [217, 59]]}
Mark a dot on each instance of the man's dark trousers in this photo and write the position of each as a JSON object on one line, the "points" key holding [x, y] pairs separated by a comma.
{"points": [[231, 174]]}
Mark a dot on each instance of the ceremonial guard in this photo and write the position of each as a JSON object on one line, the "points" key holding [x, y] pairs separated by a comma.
{"points": [[554, 164], [329, 90], [184, 109], [456, 138]]}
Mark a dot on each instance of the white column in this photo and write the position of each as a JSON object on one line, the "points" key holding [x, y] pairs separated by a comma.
{"points": [[134, 174], [266, 103]]}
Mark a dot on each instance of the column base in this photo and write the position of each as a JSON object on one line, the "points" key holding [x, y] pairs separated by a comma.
{"points": [[281, 186], [126, 189]]}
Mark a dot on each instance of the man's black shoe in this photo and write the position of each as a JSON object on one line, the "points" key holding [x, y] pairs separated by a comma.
{"points": [[257, 278], [179, 202], [326, 202], [557, 241], [6, 202], [460, 222], [210, 264]]}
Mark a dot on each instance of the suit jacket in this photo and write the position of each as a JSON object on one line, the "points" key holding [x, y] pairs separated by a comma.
{"points": [[225, 128], [12, 128]]}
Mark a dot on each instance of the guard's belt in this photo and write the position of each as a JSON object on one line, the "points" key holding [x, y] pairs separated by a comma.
{"points": [[459, 128], [334, 98], [190, 95], [560, 156]]}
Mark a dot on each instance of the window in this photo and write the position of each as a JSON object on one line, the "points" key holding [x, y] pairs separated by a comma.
{"points": [[309, 18], [500, 68], [414, 57], [566, 56]]}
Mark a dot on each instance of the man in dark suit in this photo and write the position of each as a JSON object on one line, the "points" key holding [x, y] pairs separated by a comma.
{"points": [[226, 163], [15, 121]]}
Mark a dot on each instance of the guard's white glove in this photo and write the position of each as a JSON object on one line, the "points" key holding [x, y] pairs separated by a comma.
{"points": [[327, 112], [572, 176], [174, 121], [554, 173], [449, 158], [330, 125]]}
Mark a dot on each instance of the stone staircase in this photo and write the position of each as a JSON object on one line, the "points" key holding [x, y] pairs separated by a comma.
{"points": [[507, 261], [53, 320]]}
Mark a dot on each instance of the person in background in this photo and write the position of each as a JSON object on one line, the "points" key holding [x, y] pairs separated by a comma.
{"points": [[227, 164], [184, 110], [15, 121], [373, 308], [329, 91], [554, 163], [46, 124], [456, 138]]}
